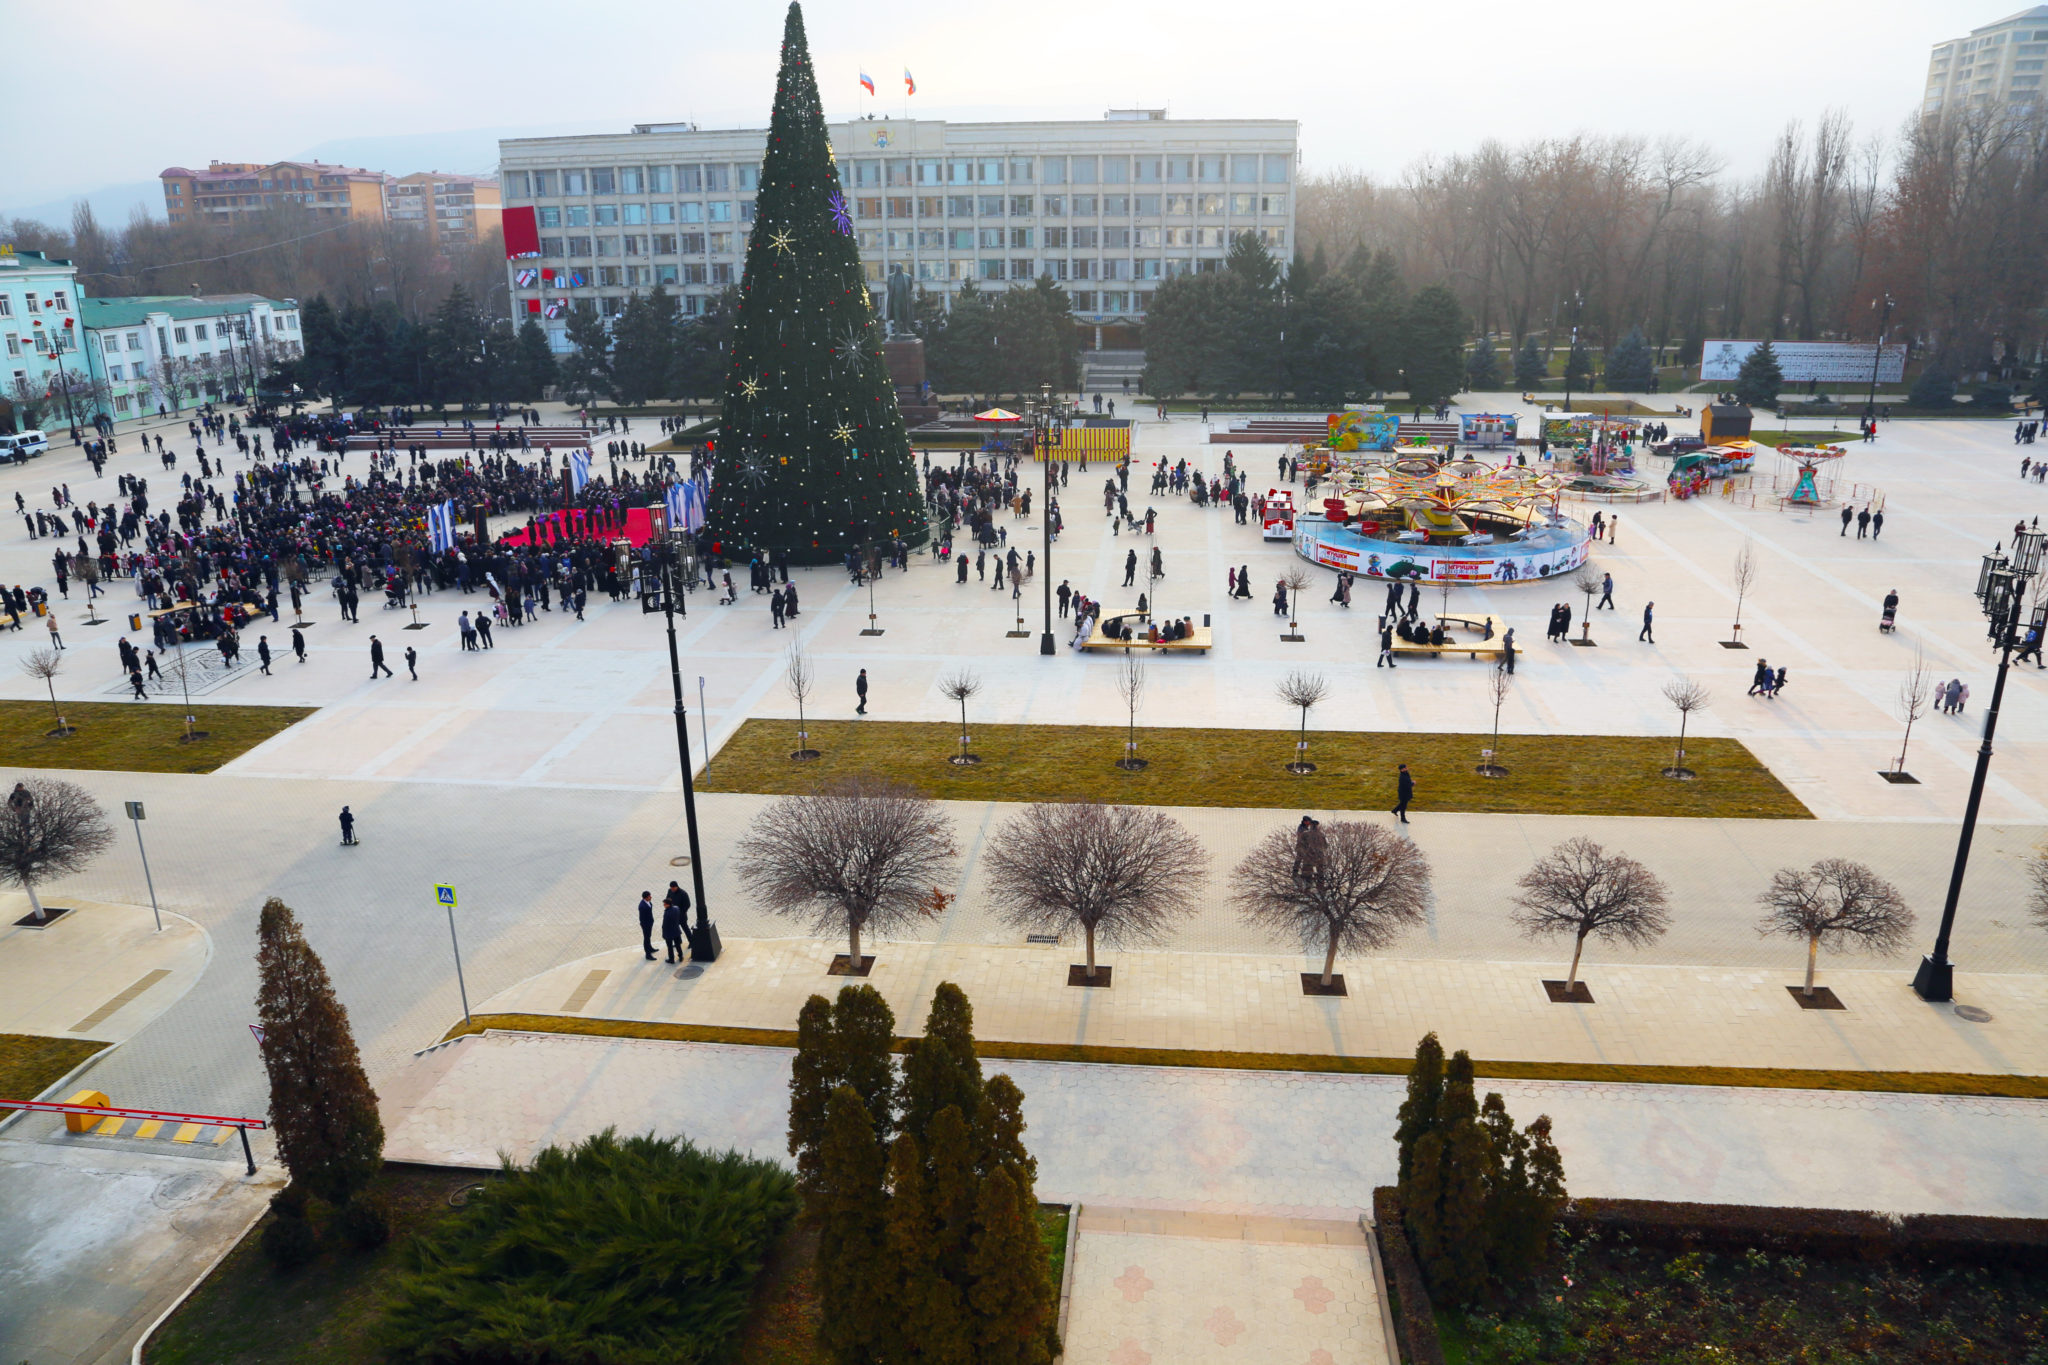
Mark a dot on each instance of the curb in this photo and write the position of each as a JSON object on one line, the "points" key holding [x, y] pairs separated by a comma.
{"points": [[1379, 1284], [1067, 1275], [135, 1356], [57, 1085]]}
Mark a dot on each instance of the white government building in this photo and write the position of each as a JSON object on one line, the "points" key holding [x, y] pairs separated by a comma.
{"points": [[1108, 208]]}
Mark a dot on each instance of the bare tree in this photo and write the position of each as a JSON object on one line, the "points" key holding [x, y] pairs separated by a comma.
{"points": [[1130, 685], [86, 569], [44, 665], [1587, 584], [1837, 904], [1743, 576], [1354, 886], [1297, 580], [802, 680], [1304, 691], [49, 829], [1581, 889], [1121, 872], [1915, 688], [857, 854], [1687, 695], [1499, 684], [961, 686]]}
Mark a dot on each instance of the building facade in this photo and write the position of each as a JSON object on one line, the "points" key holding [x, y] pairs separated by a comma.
{"points": [[40, 335], [171, 351], [226, 190], [1107, 208], [456, 211], [1995, 71]]}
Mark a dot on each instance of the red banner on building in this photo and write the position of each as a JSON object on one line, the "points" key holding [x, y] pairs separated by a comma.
{"points": [[522, 233]]}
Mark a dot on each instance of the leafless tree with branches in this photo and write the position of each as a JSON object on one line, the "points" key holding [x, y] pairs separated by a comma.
{"points": [[961, 686], [1581, 889], [1588, 583], [44, 665], [1130, 685], [1297, 580], [86, 569], [1123, 873], [1743, 576], [1687, 695], [1351, 887], [1835, 904], [1915, 689], [858, 854], [1499, 685], [801, 679], [49, 829], [1304, 691]]}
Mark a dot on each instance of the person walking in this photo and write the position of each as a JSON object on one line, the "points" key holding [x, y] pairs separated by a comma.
{"points": [[860, 689], [646, 909], [1649, 619], [1130, 567], [377, 659], [672, 907], [348, 827], [1863, 523], [1606, 592], [1848, 515], [135, 681], [1507, 647], [1405, 792], [1066, 595], [263, 655], [1760, 680], [50, 620], [483, 628], [775, 608], [412, 662], [299, 644], [1876, 524], [1386, 645]]}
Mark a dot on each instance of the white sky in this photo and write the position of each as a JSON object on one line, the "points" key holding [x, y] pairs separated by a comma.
{"points": [[153, 83]]}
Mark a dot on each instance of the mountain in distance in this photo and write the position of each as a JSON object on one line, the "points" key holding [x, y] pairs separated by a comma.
{"points": [[113, 205]]}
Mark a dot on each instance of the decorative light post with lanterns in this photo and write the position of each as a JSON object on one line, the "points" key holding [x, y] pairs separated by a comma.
{"points": [[1046, 437]]}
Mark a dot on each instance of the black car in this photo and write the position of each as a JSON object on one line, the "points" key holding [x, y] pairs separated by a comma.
{"points": [[1678, 445]]}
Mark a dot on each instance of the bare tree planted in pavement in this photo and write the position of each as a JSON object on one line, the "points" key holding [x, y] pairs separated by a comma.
{"points": [[1686, 695], [1581, 889], [49, 828], [1350, 887], [1130, 685], [801, 678], [1743, 576], [961, 686], [44, 665], [1916, 688], [1835, 904], [1304, 691]]}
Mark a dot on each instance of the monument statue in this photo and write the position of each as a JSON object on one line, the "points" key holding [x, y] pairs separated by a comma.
{"points": [[897, 308]]}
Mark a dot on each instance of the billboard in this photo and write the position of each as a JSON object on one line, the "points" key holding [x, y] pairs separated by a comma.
{"points": [[1354, 430], [1830, 362]]}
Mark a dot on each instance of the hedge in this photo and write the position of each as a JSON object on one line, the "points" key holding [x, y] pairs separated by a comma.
{"points": [[1414, 1317], [1835, 1234]]}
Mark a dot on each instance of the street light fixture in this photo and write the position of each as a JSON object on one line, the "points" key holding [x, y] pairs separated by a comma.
{"points": [[1048, 437], [661, 589], [1578, 307], [2002, 592], [1876, 354]]}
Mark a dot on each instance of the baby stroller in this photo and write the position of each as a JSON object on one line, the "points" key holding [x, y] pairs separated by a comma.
{"points": [[1887, 623]]}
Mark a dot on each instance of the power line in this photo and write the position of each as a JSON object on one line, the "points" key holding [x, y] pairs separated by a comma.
{"points": [[208, 260]]}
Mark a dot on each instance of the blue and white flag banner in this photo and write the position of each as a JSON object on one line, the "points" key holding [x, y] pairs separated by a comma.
{"points": [[579, 469], [686, 506], [441, 527]]}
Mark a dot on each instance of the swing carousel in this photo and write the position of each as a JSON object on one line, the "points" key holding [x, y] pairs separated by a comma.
{"points": [[1810, 488]]}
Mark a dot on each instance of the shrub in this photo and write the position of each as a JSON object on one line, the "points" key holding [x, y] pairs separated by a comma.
{"points": [[290, 1202], [362, 1223], [1414, 1317], [289, 1243], [619, 1251]]}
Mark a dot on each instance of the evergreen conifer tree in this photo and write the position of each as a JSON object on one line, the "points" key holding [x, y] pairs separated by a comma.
{"points": [[930, 1320], [941, 1067], [1384, 305], [322, 1108], [1482, 367], [811, 1082], [1631, 366], [813, 457], [325, 360], [1758, 381], [1578, 367], [1011, 1286], [999, 1134], [853, 1284], [1459, 1270], [533, 369], [1531, 365], [863, 1038], [644, 346], [1934, 388], [1425, 1094], [586, 371], [1433, 346], [949, 1160]]}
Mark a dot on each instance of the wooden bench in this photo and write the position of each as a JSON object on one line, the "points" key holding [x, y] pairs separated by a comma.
{"points": [[1477, 623], [1472, 649], [1199, 640]]}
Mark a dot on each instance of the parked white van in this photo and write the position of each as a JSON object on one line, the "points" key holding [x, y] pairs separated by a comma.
{"points": [[22, 446]]}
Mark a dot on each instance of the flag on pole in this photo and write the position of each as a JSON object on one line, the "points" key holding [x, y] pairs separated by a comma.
{"points": [[685, 506], [868, 81], [909, 85], [579, 469], [441, 527]]}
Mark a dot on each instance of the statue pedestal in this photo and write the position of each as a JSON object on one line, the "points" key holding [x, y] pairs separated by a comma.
{"points": [[904, 355]]}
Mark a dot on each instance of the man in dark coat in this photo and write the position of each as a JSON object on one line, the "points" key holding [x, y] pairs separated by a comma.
{"points": [[1406, 793], [672, 907], [647, 924]]}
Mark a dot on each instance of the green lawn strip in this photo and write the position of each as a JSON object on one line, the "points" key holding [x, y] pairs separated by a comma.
{"points": [[321, 1314], [1547, 774], [1748, 1077], [136, 737], [31, 1063], [1805, 438]]}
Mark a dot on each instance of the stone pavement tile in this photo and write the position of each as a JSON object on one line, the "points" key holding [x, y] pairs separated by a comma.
{"points": [[1670, 1016], [53, 979]]}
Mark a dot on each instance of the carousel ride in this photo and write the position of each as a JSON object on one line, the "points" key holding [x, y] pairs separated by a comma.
{"points": [[1413, 512], [1809, 486]]}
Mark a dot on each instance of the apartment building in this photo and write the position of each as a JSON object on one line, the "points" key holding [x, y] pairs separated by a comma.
{"points": [[173, 350], [455, 211], [1108, 208], [39, 329], [1996, 70], [226, 189]]}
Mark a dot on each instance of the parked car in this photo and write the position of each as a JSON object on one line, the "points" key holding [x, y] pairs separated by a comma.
{"points": [[22, 446], [1678, 445]]}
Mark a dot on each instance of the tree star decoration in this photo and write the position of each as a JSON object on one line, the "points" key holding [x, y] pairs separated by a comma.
{"points": [[781, 240], [750, 387], [754, 472], [850, 349], [841, 219], [843, 432]]}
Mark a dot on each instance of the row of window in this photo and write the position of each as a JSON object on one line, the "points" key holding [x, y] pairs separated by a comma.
{"points": [[60, 302], [721, 177], [1071, 206], [1083, 301], [921, 239]]}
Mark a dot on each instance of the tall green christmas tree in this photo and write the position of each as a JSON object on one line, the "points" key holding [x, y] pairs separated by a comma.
{"points": [[812, 455]]}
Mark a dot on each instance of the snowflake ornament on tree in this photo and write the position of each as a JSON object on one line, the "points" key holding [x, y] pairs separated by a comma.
{"points": [[841, 219]]}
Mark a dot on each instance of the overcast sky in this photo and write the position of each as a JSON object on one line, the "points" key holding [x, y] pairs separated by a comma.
{"points": [[144, 84]]}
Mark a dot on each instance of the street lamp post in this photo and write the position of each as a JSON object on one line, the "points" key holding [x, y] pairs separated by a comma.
{"points": [[2002, 591], [661, 590], [1877, 354], [1578, 307], [1047, 439]]}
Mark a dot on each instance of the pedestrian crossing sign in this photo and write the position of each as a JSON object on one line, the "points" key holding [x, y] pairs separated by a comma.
{"points": [[445, 895]]}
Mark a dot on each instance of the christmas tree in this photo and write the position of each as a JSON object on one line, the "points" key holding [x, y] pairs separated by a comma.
{"points": [[812, 454]]}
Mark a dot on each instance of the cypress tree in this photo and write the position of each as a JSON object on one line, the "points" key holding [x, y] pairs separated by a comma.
{"points": [[853, 1286], [811, 1080], [1531, 365], [1418, 1111], [1459, 1270], [813, 456], [941, 1068], [949, 1187], [1422, 1201], [930, 1321], [1011, 1284], [1507, 1194], [1543, 1183], [322, 1108], [999, 1150], [863, 1035]]}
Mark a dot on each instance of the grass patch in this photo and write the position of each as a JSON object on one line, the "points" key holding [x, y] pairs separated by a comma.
{"points": [[322, 1314], [123, 737], [1547, 774], [31, 1063], [1839, 437], [1750, 1077]]}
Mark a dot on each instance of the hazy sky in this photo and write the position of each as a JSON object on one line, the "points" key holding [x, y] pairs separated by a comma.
{"points": [[164, 82]]}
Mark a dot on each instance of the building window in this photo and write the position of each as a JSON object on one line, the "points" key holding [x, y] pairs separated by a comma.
{"points": [[1273, 204], [632, 180], [931, 239], [110, 342], [199, 331], [930, 270], [991, 237], [635, 246], [551, 246], [607, 215], [689, 179], [746, 210], [607, 246], [693, 274], [549, 217], [1055, 238], [899, 208], [692, 244], [633, 213], [721, 210], [1081, 169], [1054, 205], [1116, 237], [868, 239], [1147, 269], [579, 246], [717, 179], [931, 172], [6, 306], [1147, 205], [1273, 237], [991, 270], [1276, 170], [867, 208], [1052, 170], [664, 244], [867, 174], [1020, 237], [721, 273], [181, 336], [1211, 170], [1116, 206], [602, 181], [664, 213], [1085, 300], [114, 372], [691, 213], [1145, 236], [1021, 270], [931, 206], [661, 180], [963, 239], [1083, 205], [579, 216], [1085, 236], [1242, 205], [1244, 170], [664, 274], [1145, 170], [991, 205], [1020, 206], [749, 179], [960, 206], [1084, 268], [575, 182], [721, 241]]}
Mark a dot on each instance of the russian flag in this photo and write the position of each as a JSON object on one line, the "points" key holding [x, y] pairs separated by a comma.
{"points": [[909, 85], [868, 81]]}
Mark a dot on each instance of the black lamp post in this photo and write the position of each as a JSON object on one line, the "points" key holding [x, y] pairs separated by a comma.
{"points": [[1578, 307], [1048, 438], [2002, 591], [661, 589], [1877, 354]]}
